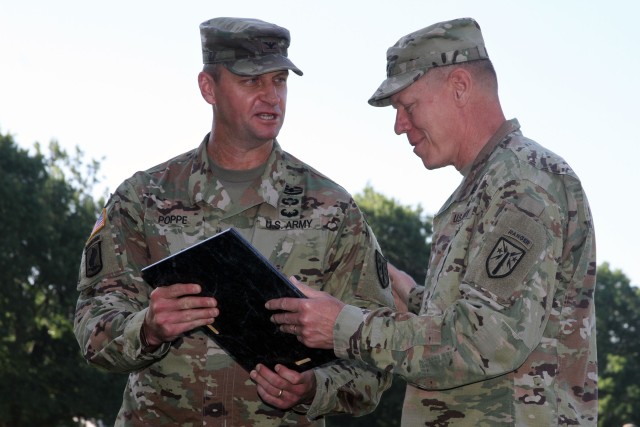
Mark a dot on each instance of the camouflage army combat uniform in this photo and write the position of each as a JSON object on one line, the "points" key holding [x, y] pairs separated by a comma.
{"points": [[506, 327], [304, 223]]}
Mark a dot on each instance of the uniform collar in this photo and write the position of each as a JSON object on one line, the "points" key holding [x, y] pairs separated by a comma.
{"points": [[506, 128], [204, 186], [470, 173]]}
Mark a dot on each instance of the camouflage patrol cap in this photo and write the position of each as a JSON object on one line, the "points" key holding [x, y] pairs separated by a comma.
{"points": [[444, 43], [247, 47]]}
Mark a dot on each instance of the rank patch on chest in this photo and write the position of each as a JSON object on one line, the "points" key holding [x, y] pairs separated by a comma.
{"points": [[504, 258]]}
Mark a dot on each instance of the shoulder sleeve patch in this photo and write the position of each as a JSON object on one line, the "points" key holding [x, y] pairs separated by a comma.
{"points": [[93, 257], [507, 254], [381, 268], [100, 257], [373, 282], [504, 258]]}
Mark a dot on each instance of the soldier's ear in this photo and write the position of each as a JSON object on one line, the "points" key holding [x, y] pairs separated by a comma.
{"points": [[461, 83], [207, 87]]}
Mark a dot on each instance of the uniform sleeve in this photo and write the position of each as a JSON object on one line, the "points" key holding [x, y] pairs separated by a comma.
{"points": [[111, 305], [415, 299], [357, 274], [491, 299]]}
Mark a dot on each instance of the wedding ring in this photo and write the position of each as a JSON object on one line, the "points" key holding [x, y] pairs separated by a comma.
{"points": [[279, 394]]}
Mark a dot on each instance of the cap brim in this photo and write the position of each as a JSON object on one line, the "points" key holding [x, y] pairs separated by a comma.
{"points": [[262, 65], [393, 85]]}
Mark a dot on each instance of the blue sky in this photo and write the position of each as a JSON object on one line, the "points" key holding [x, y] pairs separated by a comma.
{"points": [[118, 79]]}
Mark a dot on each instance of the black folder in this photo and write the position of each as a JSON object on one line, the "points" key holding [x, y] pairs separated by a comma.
{"points": [[242, 280]]}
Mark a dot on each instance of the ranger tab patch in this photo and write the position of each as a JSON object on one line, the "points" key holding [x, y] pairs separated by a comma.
{"points": [[506, 254]]}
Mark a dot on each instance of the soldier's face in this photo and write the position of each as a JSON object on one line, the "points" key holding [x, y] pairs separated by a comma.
{"points": [[250, 108], [424, 113]]}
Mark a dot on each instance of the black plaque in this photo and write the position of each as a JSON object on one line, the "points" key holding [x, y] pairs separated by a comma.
{"points": [[242, 280]]}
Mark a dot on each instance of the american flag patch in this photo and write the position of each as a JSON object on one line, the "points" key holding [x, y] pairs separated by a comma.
{"points": [[99, 223]]}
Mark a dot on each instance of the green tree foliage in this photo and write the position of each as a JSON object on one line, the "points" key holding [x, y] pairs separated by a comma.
{"points": [[618, 324], [402, 231], [403, 234], [46, 213]]}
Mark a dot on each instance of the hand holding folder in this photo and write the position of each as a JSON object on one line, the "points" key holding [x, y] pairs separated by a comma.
{"points": [[241, 279]]}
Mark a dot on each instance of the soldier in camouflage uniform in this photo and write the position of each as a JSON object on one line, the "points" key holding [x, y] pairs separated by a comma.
{"points": [[503, 332], [239, 176]]}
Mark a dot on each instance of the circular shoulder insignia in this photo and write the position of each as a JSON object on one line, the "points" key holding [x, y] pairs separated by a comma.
{"points": [[383, 271]]}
